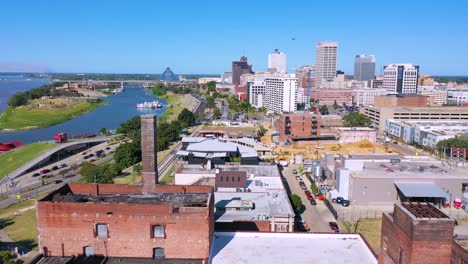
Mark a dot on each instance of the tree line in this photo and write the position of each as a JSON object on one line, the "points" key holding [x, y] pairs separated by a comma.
{"points": [[22, 98], [129, 153]]}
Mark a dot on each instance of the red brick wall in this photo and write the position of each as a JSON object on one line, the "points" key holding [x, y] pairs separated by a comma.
{"points": [[89, 188], [71, 226], [422, 241], [301, 125], [458, 253]]}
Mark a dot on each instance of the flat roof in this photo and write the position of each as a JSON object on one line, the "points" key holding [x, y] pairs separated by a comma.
{"points": [[178, 199], [421, 189], [410, 170], [297, 248], [256, 170]]}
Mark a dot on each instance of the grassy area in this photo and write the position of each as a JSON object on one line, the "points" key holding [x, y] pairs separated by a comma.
{"points": [[370, 229], [168, 178], [20, 205], [39, 114], [22, 228], [16, 158]]}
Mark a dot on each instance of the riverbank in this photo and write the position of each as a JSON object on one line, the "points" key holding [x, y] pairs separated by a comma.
{"points": [[175, 104], [45, 112]]}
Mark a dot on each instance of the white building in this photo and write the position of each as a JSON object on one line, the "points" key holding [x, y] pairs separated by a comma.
{"points": [[325, 66], [277, 61], [256, 93], [365, 96], [280, 94], [426, 133], [437, 96], [458, 97], [206, 80], [401, 78], [226, 77]]}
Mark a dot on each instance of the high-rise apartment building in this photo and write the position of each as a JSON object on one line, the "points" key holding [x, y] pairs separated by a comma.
{"points": [[364, 67], [325, 66], [240, 67], [280, 94], [277, 61], [401, 78]]}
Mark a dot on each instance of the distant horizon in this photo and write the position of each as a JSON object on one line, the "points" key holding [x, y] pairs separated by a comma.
{"points": [[202, 74]]}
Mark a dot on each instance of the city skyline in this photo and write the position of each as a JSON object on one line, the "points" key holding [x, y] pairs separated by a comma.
{"points": [[113, 37]]}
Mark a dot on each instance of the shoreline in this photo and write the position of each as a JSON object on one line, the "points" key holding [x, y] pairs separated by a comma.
{"points": [[175, 104], [37, 118]]}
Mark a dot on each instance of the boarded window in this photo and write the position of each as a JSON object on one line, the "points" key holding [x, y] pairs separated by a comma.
{"points": [[158, 231], [89, 251], [101, 230], [158, 253]]}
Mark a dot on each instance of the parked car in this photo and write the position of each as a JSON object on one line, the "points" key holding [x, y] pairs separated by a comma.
{"points": [[37, 174], [298, 178], [345, 203], [54, 168], [309, 197], [63, 165], [339, 200], [44, 171], [86, 157], [107, 148], [313, 202], [303, 186], [333, 225], [307, 192], [294, 171], [303, 226], [58, 181]]}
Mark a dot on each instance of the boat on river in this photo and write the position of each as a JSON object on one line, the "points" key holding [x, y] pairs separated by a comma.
{"points": [[152, 105]]}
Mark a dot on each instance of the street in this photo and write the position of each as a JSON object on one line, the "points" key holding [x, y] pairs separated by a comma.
{"points": [[316, 216]]}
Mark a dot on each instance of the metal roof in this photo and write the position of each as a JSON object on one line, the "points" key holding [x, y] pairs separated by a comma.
{"points": [[421, 189]]}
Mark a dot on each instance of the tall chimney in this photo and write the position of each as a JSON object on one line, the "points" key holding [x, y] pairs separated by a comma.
{"points": [[149, 161]]}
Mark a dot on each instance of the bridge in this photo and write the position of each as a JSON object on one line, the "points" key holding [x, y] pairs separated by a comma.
{"points": [[44, 157]]}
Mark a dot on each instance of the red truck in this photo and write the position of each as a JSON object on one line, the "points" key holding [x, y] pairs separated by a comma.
{"points": [[60, 138]]}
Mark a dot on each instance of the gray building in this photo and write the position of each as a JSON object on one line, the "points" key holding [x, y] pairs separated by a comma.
{"points": [[364, 67], [382, 179]]}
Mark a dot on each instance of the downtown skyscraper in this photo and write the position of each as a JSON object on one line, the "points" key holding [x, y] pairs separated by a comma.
{"points": [[277, 61], [401, 78], [364, 67], [325, 62]]}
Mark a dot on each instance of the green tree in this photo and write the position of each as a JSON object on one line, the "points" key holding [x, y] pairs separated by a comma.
{"points": [[99, 173], [356, 120], [210, 102], [262, 130], [216, 113], [130, 127], [187, 117], [128, 154], [211, 86], [296, 202], [17, 99], [7, 258], [104, 131], [324, 110]]}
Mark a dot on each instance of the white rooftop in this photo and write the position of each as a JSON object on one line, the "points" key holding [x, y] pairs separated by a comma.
{"points": [[297, 248]]}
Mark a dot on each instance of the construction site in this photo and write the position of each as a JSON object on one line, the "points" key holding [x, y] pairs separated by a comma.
{"points": [[314, 149]]}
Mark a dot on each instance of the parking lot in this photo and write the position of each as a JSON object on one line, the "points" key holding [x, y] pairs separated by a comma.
{"points": [[317, 216]]}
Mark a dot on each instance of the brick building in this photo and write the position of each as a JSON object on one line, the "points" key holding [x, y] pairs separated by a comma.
{"points": [[299, 125], [129, 222], [120, 221], [330, 96], [419, 233], [408, 100]]}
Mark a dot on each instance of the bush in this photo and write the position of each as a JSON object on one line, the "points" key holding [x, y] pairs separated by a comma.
{"points": [[296, 202], [314, 188]]}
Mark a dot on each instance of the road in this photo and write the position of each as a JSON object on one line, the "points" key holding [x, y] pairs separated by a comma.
{"points": [[317, 216], [20, 171], [401, 148]]}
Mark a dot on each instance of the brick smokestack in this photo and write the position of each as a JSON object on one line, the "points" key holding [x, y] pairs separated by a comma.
{"points": [[149, 172]]}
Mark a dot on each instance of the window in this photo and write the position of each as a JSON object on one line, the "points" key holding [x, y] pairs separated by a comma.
{"points": [[232, 178], [101, 230], [238, 178], [158, 231], [222, 178], [158, 253]]}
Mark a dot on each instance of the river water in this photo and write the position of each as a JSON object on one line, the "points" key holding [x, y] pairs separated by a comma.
{"points": [[121, 107]]}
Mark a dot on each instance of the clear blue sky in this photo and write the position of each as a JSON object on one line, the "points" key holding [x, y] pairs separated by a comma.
{"points": [[205, 36]]}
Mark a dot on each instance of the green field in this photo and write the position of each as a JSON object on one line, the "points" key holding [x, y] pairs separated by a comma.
{"points": [[174, 106], [16, 158], [22, 228], [370, 229], [32, 116]]}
